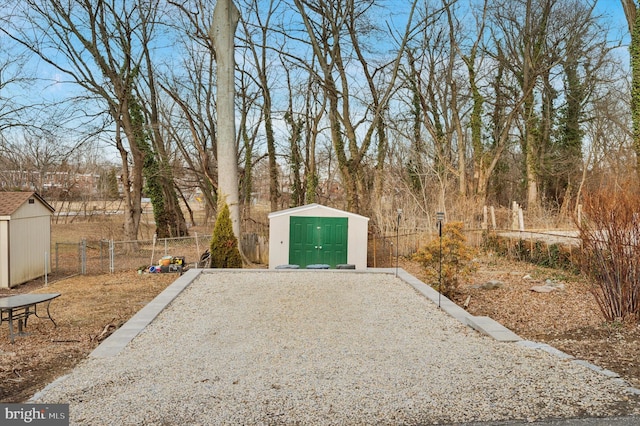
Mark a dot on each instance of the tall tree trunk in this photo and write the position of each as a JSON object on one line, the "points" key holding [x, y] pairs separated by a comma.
{"points": [[475, 123], [132, 203], [531, 158], [462, 145], [172, 222], [274, 193], [258, 50], [633, 19], [225, 21], [533, 63], [311, 125], [134, 179]]}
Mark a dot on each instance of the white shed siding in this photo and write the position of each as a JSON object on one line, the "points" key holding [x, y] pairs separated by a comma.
{"points": [[279, 233], [25, 241], [4, 253], [30, 244], [37, 209]]}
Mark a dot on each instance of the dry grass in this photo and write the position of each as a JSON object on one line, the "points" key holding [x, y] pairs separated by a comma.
{"points": [[88, 310]]}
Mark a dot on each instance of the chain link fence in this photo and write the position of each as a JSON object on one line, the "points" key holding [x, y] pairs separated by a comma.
{"points": [[108, 256], [383, 249]]}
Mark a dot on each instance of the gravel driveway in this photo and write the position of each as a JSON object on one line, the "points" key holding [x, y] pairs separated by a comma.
{"points": [[324, 348]]}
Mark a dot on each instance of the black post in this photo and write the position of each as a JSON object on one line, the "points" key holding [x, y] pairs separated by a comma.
{"points": [[440, 218], [398, 238]]}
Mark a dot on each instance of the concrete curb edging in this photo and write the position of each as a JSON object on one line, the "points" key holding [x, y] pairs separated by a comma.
{"points": [[490, 327], [120, 338], [484, 325], [494, 329], [41, 393], [115, 343], [553, 351]]}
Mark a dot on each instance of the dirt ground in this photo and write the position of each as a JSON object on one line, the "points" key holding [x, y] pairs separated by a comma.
{"points": [[88, 310], [91, 307]]}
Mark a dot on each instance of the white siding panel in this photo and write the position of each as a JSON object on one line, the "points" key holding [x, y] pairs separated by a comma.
{"points": [[26, 210], [278, 241], [30, 240], [4, 254]]}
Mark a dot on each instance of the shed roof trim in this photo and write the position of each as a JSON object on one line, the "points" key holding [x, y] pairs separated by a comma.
{"points": [[11, 201], [292, 211]]}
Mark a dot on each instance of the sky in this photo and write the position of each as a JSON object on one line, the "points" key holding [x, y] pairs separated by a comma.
{"points": [[612, 9]]}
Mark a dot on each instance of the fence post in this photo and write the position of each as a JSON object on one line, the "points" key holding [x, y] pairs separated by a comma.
{"points": [[57, 257], [493, 218], [579, 214], [153, 248], [83, 257], [111, 256], [485, 217], [197, 248]]}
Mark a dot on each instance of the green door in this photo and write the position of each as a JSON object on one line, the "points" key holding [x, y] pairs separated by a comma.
{"points": [[314, 240]]}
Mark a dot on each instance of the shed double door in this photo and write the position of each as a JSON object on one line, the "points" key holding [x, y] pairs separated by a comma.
{"points": [[318, 240]]}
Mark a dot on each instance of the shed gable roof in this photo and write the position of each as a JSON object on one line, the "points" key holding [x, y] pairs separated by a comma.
{"points": [[11, 201], [292, 211]]}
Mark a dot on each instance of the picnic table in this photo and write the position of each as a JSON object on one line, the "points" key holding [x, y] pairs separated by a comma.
{"points": [[20, 307]]}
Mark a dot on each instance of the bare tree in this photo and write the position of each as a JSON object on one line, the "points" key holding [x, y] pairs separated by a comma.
{"points": [[160, 185], [225, 20], [437, 95], [249, 127], [256, 39], [13, 80], [189, 118], [523, 37], [631, 12], [98, 46], [304, 128], [29, 157], [541, 45], [337, 31], [472, 60], [586, 68]]}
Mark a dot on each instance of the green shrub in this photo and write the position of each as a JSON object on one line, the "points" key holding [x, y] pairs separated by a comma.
{"points": [[456, 259], [538, 252], [491, 242], [224, 244]]}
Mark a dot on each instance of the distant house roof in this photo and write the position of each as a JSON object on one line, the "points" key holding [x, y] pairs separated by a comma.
{"points": [[11, 201]]}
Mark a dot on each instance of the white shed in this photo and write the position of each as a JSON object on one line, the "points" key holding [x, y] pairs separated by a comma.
{"points": [[25, 237], [317, 235]]}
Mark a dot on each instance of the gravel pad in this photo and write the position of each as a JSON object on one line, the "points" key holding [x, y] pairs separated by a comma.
{"points": [[323, 348]]}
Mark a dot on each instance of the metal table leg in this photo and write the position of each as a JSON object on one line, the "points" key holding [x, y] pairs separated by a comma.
{"points": [[11, 326], [49, 314]]}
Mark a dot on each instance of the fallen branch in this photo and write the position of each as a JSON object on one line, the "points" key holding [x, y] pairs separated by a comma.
{"points": [[108, 330]]}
